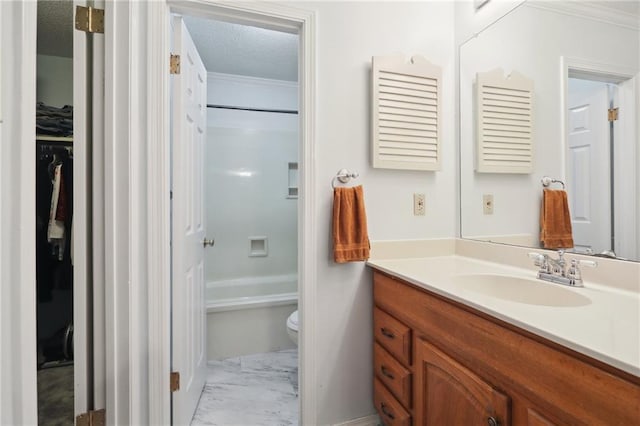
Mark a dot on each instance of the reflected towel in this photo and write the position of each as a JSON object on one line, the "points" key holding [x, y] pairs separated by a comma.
{"points": [[555, 220], [350, 238]]}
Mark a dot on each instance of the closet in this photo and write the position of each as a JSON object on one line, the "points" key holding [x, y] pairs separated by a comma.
{"points": [[53, 218], [54, 268]]}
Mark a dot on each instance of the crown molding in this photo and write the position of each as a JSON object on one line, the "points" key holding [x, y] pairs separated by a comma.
{"points": [[244, 79], [590, 10]]}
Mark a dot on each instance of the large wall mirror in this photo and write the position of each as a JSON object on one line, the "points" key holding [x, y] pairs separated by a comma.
{"points": [[583, 59]]}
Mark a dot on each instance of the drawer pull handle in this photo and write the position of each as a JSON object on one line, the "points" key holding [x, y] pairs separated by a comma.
{"points": [[386, 412], [386, 372], [387, 333], [492, 421]]}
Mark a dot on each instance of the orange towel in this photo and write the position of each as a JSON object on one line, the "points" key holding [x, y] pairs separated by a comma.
{"points": [[555, 220], [350, 238]]}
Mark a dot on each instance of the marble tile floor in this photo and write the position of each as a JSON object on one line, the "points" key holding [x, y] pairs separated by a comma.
{"points": [[251, 390]]}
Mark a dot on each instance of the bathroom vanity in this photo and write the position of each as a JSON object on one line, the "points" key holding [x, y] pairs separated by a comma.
{"points": [[444, 353]]}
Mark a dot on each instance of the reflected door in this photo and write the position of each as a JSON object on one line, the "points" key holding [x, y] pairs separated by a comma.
{"points": [[588, 159]]}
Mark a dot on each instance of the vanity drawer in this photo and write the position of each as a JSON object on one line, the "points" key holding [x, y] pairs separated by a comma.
{"points": [[393, 335], [390, 410], [390, 372]]}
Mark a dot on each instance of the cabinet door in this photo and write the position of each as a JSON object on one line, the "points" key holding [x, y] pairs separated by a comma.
{"points": [[447, 393]]}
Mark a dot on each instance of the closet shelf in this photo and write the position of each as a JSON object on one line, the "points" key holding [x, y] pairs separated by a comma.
{"points": [[48, 138]]}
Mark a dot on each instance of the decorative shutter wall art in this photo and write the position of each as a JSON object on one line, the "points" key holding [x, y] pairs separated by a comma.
{"points": [[406, 113], [505, 122]]}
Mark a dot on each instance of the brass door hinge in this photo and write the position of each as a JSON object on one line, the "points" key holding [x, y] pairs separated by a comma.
{"points": [[613, 114], [174, 381], [91, 418], [174, 64], [90, 19]]}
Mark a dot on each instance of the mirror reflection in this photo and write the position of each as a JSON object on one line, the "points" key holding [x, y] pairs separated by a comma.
{"points": [[583, 61]]}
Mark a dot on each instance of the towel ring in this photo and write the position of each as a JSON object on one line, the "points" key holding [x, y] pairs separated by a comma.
{"points": [[547, 181], [344, 176]]}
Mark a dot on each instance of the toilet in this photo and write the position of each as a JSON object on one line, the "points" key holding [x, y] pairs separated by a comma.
{"points": [[292, 327]]}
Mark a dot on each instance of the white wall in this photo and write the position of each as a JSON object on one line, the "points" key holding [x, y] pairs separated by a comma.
{"points": [[348, 35], [246, 174], [54, 80], [532, 41]]}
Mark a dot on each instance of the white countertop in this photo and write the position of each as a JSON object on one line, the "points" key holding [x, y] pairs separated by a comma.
{"points": [[606, 327]]}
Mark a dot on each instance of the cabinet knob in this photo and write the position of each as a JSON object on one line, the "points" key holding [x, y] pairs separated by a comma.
{"points": [[386, 412], [206, 242], [492, 421], [387, 333], [385, 372]]}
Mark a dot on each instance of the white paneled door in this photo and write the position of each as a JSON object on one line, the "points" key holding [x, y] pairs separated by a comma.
{"points": [[188, 233], [588, 159]]}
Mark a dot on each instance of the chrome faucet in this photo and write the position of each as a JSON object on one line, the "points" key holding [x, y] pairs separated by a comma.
{"points": [[555, 270]]}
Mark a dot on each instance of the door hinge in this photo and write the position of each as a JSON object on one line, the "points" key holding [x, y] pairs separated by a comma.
{"points": [[174, 381], [91, 418], [613, 114], [90, 19], [174, 64]]}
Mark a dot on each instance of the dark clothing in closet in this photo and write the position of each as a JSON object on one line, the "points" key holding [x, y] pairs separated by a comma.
{"points": [[53, 269]]}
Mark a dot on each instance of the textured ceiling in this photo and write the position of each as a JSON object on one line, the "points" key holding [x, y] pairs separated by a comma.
{"points": [[224, 47], [244, 50], [55, 28]]}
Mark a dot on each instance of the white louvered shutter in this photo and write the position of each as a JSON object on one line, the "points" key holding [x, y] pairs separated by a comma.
{"points": [[406, 113], [505, 123]]}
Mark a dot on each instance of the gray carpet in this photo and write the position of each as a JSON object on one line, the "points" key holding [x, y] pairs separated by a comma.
{"points": [[55, 396]]}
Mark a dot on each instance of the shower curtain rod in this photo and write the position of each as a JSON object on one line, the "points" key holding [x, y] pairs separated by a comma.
{"points": [[282, 111]]}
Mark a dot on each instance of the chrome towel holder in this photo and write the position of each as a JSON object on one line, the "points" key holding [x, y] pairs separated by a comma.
{"points": [[547, 181], [343, 176]]}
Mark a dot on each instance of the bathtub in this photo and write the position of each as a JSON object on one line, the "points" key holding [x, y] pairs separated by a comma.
{"points": [[248, 315]]}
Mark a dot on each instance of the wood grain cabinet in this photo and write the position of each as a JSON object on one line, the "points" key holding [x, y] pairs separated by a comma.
{"points": [[448, 393], [439, 362]]}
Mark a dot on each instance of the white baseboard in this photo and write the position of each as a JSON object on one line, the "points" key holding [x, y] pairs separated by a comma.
{"points": [[373, 420]]}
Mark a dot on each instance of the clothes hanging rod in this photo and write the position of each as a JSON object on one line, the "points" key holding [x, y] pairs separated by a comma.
{"points": [[280, 111]]}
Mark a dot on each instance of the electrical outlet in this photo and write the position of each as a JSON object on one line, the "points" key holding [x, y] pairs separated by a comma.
{"points": [[419, 207], [487, 203]]}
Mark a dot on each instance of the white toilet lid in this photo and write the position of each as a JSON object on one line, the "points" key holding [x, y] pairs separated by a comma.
{"points": [[292, 321]]}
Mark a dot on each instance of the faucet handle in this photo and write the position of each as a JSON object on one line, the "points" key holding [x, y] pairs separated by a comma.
{"points": [[574, 272], [539, 259], [535, 256]]}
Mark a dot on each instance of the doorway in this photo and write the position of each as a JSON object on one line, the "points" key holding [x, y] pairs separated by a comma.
{"points": [[601, 157], [54, 213], [248, 163]]}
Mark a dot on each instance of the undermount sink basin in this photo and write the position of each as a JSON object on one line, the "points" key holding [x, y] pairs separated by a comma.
{"points": [[521, 290]]}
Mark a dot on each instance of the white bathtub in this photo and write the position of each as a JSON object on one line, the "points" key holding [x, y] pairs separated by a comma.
{"points": [[248, 315], [251, 292]]}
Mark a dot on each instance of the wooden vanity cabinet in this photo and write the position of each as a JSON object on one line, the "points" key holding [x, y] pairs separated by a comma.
{"points": [[464, 367], [448, 393]]}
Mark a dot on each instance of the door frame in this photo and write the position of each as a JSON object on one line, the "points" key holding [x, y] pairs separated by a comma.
{"points": [[18, 357], [629, 99], [17, 188], [270, 16]]}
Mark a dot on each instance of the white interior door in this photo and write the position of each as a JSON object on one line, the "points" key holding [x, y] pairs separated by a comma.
{"points": [[627, 166], [188, 233], [588, 159]]}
